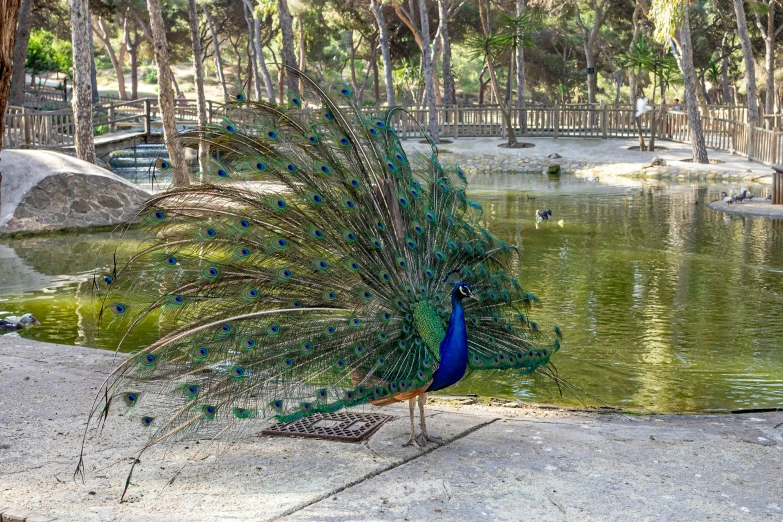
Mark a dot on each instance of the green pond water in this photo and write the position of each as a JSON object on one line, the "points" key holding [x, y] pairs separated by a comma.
{"points": [[665, 304]]}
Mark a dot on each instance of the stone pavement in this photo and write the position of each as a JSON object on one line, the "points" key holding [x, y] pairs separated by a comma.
{"points": [[762, 208], [522, 463], [595, 157]]}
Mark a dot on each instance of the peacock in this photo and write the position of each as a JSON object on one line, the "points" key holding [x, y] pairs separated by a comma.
{"points": [[312, 265]]}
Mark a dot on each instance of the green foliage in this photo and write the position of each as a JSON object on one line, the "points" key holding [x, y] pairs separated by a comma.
{"points": [[644, 58], [47, 53], [150, 75]]}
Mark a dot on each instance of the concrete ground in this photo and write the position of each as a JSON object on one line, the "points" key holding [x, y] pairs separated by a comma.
{"points": [[515, 464], [750, 208], [613, 150]]}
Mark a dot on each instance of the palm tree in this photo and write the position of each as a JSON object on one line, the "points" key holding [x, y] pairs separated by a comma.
{"points": [[488, 48], [516, 34], [643, 58]]}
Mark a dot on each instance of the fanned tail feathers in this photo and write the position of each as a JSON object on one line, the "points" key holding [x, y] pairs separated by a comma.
{"points": [[304, 272]]}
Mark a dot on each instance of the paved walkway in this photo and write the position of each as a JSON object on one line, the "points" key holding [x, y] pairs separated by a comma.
{"points": [[762, 208], [506, 464], [609, 151]]}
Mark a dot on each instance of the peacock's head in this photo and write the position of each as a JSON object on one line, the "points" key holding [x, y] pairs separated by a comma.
{"points": [[463, 291]]}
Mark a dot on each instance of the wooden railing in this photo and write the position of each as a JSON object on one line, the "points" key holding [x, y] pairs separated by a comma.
{"points": [[724, 127]]}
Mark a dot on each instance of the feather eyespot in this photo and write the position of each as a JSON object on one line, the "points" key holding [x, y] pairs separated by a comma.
{"points": [[118, 308]]}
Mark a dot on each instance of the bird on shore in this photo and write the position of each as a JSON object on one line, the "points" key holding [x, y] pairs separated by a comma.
{"points": [[360, 275], [746, 194], [726, 198], [11, 324]]}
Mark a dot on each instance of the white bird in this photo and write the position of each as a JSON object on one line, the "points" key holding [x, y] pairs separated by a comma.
{"points": [[591, 179], [726, 198], [642, 106]]}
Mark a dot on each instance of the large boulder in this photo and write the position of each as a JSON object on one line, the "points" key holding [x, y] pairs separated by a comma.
{"points": [[44, 191]]}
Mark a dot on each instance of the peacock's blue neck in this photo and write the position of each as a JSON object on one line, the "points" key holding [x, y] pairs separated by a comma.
{"points": [[453, 350]]}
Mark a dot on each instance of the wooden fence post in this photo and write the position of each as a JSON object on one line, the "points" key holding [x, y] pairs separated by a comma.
{"points": [[112, 126], [456, 122], [556, 124], [147, 118], [26, 125], [603, 119]]}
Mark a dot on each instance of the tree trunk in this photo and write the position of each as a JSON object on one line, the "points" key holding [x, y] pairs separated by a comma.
{"points": [[133, 52], [289, 56], [166, 95], [724, 70], [632, 79], [268, 85], [385, 51], [691, 103], [426, 56], [376, 81], [750, 68], [253, 47], [592, 78], [768, 34], [504, 107], [9, 14], [104, 35], [521, 77], [201, 101], [82, 85], [16, 91], [93, 70], [302, 45], [218, 58]]}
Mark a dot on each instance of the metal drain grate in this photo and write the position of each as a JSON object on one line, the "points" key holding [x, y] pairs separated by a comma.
{"points": [[342, 426]]}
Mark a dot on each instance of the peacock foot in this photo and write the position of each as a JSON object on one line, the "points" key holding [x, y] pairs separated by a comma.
{"points": [[426, 437], [412, 442]]}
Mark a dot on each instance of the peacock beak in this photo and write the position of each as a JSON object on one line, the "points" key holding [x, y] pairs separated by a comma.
{"points": [[35, 321]]}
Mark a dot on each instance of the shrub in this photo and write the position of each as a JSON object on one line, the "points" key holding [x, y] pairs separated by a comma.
{"points": [[150, 75]]}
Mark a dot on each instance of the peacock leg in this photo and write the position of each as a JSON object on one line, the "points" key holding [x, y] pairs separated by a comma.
{"points": [[412, 439], [423, 420]]}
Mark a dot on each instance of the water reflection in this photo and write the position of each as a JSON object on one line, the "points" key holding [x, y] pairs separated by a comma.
{"points": [[665, 305]]}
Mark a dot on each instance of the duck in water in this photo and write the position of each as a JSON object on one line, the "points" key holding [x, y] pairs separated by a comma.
{"points": [[11, 326]]}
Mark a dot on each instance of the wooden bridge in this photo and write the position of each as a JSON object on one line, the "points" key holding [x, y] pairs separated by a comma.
{"points": [[125, 124]]}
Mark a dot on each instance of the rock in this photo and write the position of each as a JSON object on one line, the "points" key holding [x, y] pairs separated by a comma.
{"points": [[554, 155], [658, 161], [44, 191], [553, 170]]}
